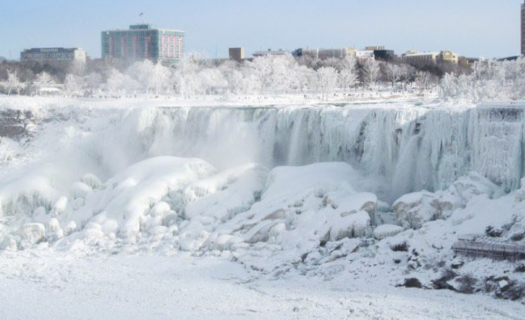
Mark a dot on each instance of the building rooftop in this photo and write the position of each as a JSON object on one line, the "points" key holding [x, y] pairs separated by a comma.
{"points": [[270, 52], [143, 27], [44, 50], [418, 54]]}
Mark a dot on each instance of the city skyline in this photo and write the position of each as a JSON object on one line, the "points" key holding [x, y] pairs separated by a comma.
{"points": [[470, 28]]}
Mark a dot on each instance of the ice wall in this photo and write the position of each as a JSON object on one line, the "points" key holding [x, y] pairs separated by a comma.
{"points": [[406, 147]]}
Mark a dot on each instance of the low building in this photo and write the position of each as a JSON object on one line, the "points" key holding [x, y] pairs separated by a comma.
{"points": [[324, 54], [431, 57], [236, 54], [363, 55], [271, 52], [374, 48], [513, 58], [467, 61], [384, 55], [334, 53], [448, 56], [310, 53], [54, 55]]}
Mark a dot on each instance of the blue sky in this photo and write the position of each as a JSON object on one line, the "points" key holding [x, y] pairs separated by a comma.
{"points": [[487, 28]]}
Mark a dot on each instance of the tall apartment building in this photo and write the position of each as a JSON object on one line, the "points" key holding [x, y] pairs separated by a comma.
{"points": [[54, 55], [141, 42], [523, 29]]}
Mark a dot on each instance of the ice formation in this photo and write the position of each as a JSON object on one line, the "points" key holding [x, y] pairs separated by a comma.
{"points": [[304, 185], [412, 148]]}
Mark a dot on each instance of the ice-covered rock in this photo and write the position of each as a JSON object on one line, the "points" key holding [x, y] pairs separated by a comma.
{"points": [[130, 195], [9, 243], [353, 225], [81, 190], [225, 194], [386, 230], [91, 180], [31, 234], [412, 210]]}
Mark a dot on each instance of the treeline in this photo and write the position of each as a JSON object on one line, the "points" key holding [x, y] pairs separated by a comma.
{"points": [[268, 75], [488, 81]]}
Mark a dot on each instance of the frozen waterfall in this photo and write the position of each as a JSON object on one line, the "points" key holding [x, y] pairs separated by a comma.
{"points": [[409, 148]]}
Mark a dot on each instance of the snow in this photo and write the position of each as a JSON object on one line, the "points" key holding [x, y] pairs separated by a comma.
{"points": [[158, 287], [386, 230], [354, 199]]}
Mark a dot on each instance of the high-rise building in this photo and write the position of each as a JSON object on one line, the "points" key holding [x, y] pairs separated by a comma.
{"points": [[54, 55], [523, 29], [142, 42]]}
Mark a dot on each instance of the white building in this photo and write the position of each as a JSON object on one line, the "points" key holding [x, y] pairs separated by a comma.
{"points": [[54, 55]]}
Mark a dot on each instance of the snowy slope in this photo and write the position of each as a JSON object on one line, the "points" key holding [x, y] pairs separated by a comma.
{"points": [[61, 287]]}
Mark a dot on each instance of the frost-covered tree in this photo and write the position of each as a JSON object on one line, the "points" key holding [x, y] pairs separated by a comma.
{"points": [[348, 73], [394, 73], [371, 72], [93, 82], [116, 82], [185, 78], [77, 68], [327, 81], [448, 86], [13, 82], [74, 84], [488, 81], [424, 79], [44, 80], [159, 81], [274, 74], [212, 81]]}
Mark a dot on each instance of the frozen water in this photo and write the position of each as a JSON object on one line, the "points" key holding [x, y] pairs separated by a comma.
{"points": [[310, 189]]}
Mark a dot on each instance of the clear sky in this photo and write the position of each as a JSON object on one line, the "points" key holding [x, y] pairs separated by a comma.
{"points": [[480, 28]]}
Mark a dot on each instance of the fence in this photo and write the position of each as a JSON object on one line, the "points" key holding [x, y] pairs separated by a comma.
{"points": [[485, 247]]}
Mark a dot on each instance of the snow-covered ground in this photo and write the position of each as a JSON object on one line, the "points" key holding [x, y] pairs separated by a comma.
{"points": [[44, 285], [338, 204]]}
